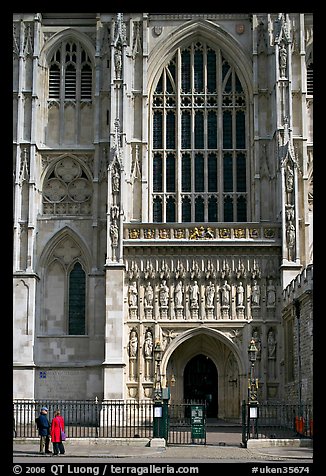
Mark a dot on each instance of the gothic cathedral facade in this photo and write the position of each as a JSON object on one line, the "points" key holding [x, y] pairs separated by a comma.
{"points": [[162, 193]]}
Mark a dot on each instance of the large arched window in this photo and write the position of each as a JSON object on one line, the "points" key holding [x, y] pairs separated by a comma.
{"points": [[199, 139]]}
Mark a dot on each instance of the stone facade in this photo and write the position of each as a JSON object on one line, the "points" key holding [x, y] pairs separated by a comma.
{"points": [[298, 338], [162, 192]]}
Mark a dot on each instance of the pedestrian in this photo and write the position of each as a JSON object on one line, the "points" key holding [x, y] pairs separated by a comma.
{"points": [[43, 427], [57, 426]]}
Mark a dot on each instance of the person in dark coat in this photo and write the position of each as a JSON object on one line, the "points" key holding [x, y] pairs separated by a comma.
{"points": [[57, 425], [43, 426]]}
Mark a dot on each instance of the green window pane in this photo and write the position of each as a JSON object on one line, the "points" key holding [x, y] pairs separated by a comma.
{"points": [[186, 173], [240, 130], [170, 209], [157, 210], [238, 85], [170, 173], [77, 293], [199, 173], [212, 209], [227, 130], [227, 173], [157, 130], [199, 209], [212, 130], [228, 209], [241, 173], [185, 71], [212, 173], [211, 71], [170, 130], [159, 86], [199, 130], [225, 69], [157, 173], [241, 209], [185, 130], [198, 71], [186, 209]]}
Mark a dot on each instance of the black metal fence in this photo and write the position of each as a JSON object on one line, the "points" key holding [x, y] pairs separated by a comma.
{"points": [[130, 419], [88, 418], [277, 420], [180, 428]]}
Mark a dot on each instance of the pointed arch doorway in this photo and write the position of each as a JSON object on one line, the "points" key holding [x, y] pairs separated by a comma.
{"points": [[201, 382]]}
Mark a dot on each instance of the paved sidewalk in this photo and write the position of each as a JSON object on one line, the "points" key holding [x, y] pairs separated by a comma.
{"points": [[91, 448]]}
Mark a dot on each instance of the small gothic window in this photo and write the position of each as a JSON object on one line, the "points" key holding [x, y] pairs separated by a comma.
{"points": [[77, 296], [71, 61]]}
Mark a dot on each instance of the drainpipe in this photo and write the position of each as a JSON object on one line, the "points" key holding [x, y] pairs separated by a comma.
{"points": [[296, 304]]}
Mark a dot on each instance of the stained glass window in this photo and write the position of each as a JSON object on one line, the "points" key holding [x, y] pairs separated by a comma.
{"points": [[199, 118]]}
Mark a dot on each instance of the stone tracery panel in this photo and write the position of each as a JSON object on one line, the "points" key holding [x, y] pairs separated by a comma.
{"points": [[67, 189]]}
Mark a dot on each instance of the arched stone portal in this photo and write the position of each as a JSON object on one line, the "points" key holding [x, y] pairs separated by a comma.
{"points": [[212, 354]]}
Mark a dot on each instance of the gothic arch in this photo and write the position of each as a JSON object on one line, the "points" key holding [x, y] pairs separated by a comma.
{"points": [[219, 336], [48, 168], [200, 30], [50, 45], [60, 236]]}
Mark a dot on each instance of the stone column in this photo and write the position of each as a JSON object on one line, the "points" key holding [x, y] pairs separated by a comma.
{"points": [[114, 311]]}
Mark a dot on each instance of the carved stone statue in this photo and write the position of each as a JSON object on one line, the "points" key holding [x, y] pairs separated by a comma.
{"points": [[271, 294], [133, 343], [148, 344], [271, 345], [149, 295], [255, 294], [194, 293], [240, 294], [225, 294], [178, 293], [164, 293], [133, 294], [210, 292]]}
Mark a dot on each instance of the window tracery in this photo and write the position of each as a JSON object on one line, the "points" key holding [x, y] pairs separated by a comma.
{"points": [[199, 121]]}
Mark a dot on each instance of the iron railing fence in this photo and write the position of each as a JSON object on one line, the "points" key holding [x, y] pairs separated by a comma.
{"points": [[279, 420], [179, 423], [87, 418], [129, 419]]}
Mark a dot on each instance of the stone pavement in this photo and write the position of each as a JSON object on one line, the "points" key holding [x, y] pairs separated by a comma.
{"points": [[144, 448]]}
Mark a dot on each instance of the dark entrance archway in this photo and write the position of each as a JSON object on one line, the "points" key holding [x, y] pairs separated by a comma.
{"points": [[201, 383]]}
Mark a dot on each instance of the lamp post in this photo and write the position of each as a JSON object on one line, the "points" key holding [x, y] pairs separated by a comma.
{"points": [[160, 416], [252, 389], [158, 359]]}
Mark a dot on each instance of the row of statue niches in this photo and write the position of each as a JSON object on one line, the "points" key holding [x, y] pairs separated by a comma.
{"points": [[148, 344], [195, 293]]}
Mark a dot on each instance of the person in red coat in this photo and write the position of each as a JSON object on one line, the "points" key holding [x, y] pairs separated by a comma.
{"points": [[57, 425]]}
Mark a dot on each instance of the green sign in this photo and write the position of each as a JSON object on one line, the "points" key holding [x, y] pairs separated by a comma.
{"points": [[198, 429], [197, 414]]}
